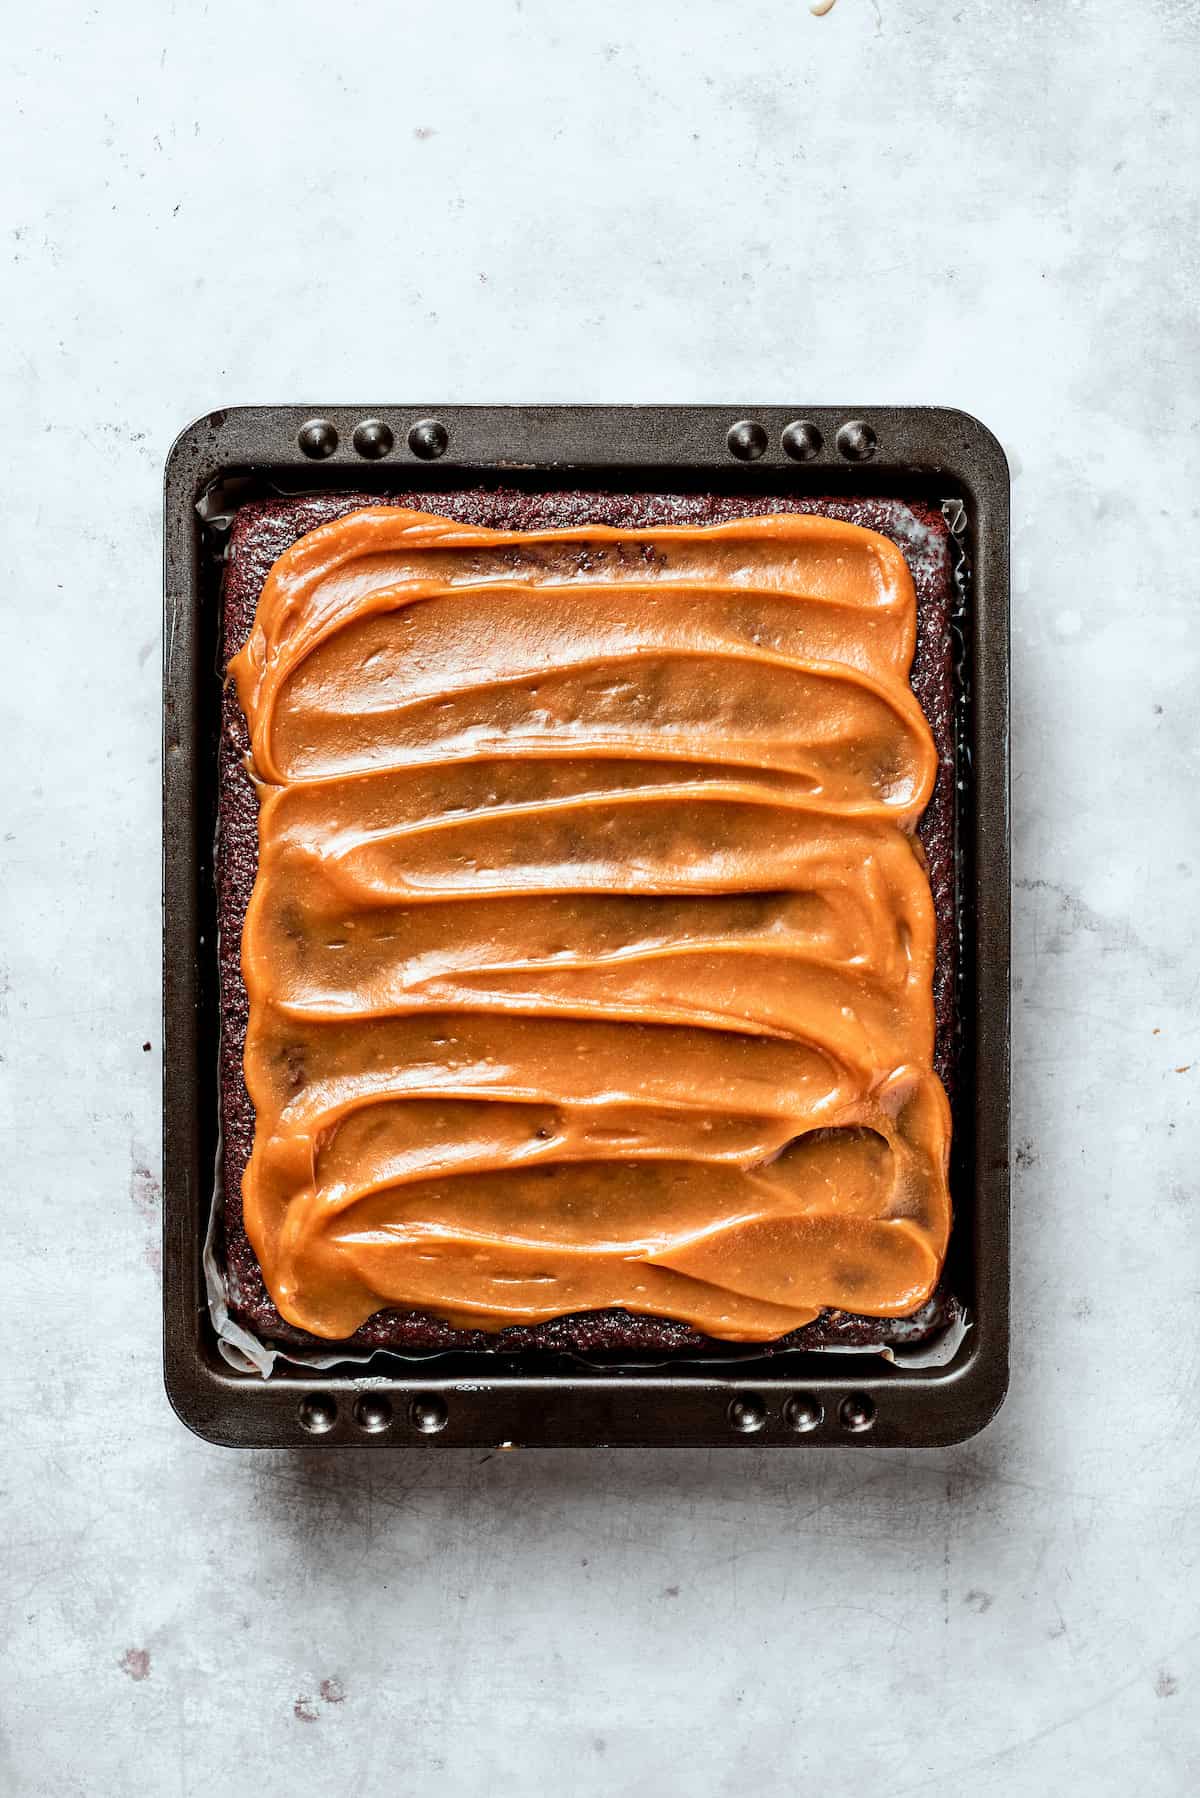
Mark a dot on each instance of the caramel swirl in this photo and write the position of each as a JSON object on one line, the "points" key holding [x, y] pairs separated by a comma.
{"points": [[590, 954]]}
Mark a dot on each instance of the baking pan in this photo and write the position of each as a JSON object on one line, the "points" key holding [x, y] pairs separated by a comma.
{"points": [[480, 1397]]}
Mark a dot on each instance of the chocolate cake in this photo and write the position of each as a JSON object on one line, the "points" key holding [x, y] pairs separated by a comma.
{"points": [[262, 531]]}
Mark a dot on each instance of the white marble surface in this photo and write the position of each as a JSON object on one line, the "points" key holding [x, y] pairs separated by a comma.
{"points": [[988, 206]]}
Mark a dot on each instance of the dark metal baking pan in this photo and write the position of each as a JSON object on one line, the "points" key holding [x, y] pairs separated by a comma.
{"points": [[853, 1397]]}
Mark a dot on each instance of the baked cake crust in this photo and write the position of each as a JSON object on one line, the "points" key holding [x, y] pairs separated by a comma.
{"points": [[264, 530]]}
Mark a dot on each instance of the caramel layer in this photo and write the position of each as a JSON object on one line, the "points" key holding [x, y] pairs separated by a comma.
{"points": [[590, 955]]}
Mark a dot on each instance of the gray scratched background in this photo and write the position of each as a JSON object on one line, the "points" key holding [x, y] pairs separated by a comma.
{"points": [[991, 206]]}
